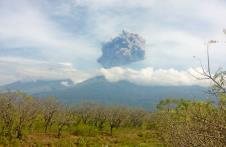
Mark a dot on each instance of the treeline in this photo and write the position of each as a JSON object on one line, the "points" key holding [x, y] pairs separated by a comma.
{"points": [[176, 122], [20, 113]]}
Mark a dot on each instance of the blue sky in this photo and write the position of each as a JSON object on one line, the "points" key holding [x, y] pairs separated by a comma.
{"points": [[46, 39]]}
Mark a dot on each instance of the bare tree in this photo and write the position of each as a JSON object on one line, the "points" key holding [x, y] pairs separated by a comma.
{"points": [[135, 117], [115, 117], [217, 77], [99, 116], [8, 113], [194, 123], [50, 109], [65, 117], [26, 111], [84, 111]]}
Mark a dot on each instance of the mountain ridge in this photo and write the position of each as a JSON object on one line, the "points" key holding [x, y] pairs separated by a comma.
{"points": [[100, 90]]}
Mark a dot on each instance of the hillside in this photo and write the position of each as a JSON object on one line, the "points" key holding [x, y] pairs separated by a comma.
{"points": [[100, 90]]}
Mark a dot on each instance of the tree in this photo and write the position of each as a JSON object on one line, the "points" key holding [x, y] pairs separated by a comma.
{"points": [[218, 77], [115, 117], [191, 123], [84, 111], [99, 115], [64, 118], [135, 117], [8, 113], [27, 111], [50, 107]]}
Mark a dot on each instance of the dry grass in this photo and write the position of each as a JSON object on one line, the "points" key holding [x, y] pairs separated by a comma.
{"points": [[125, 137]]}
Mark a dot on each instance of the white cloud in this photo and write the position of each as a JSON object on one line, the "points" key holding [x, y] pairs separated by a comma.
{"points": [[24, 69], [175, 30], [150, 76], [115, 3], [25, 25]]}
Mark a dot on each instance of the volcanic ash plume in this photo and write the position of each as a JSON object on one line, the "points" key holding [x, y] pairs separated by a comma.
{"points": [[123, 49]]}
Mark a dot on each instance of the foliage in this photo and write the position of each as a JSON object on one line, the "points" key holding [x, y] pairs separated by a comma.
{"points": [[177, 122], [192, 123]]}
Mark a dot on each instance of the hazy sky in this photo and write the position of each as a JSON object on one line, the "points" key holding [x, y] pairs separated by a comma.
{"points": [[58, 39]]}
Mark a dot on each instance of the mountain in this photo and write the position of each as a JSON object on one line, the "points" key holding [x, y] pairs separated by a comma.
{"points": [[100, 90]]}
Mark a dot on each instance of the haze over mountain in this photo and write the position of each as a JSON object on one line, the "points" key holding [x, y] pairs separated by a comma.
{"points": [[37, 86], [100, 90]]}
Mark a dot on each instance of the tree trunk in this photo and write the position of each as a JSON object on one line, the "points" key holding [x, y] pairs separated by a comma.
{"points": [[46, 127], [111, 130], [59, 131]]}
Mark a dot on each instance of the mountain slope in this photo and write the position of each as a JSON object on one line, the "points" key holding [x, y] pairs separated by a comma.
{"points": [[100, 90]]}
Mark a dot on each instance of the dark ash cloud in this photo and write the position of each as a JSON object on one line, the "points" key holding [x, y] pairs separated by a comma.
{"points": [[123, 49]]}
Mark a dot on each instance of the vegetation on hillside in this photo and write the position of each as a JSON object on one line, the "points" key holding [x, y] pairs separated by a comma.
{"points": [[26, 121]]}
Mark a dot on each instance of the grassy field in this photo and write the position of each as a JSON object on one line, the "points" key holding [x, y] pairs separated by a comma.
{"points": [[123, 137]]}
